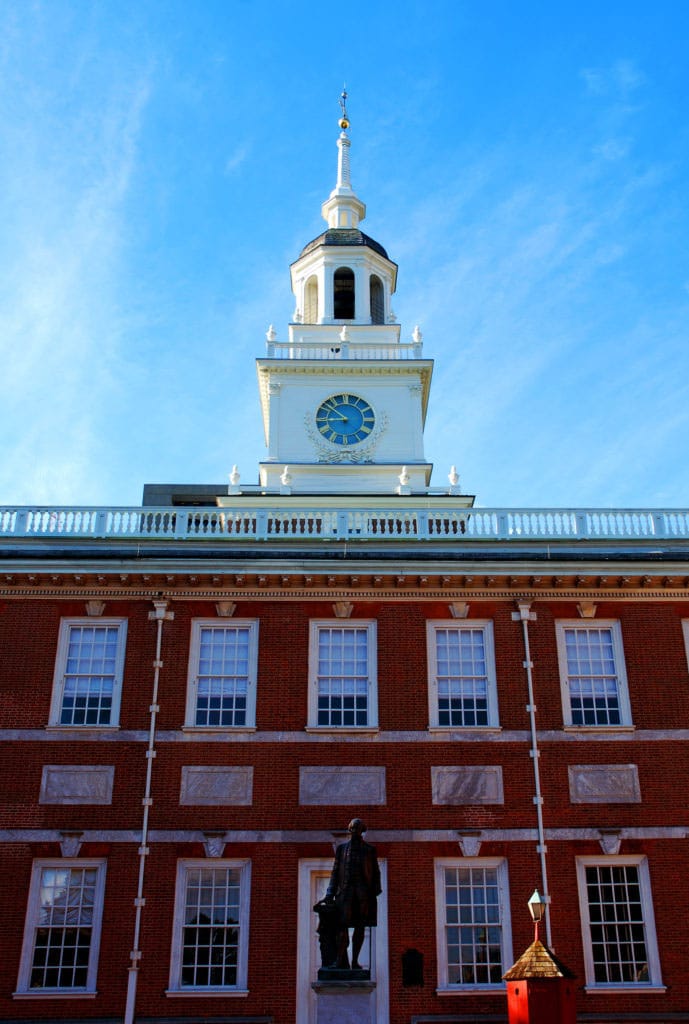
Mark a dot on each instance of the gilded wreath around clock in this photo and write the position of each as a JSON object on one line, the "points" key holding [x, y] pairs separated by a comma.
{"points": [[345, 419]]}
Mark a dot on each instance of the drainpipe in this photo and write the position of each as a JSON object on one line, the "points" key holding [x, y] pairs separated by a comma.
{"points": [[525, 615], [159, 615]]}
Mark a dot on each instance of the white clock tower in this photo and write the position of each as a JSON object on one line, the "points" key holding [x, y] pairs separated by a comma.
{"points": [[343, 399]]}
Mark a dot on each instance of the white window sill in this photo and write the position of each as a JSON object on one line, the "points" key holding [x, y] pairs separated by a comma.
{"points": [[600, 728], [473, 729], [636, 987], [337, 730], [471, 990], [56, 727], [46, 994], [207, 992], [215, 729]]}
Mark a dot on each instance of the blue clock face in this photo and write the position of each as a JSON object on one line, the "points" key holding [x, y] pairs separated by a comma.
{"points": [[345, 419]]}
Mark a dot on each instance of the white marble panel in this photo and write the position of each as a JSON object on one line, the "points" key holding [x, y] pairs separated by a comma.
{"points": [[77, 784], [349, 1007], [467, 784], [341, 785], [220, 785], [604, 784]]}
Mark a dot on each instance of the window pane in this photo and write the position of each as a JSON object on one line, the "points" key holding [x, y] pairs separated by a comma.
{"points": [[211, 933], [474, 950], [618, 941], [343, 681], [89, 680], [592, 676], [462, 676], [62, 938], [223, 675]]}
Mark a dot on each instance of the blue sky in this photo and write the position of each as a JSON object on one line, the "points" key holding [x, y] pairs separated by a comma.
{"points": [[525, 164]]}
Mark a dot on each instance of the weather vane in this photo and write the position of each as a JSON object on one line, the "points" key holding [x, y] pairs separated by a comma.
{"points": [[344, 120]]}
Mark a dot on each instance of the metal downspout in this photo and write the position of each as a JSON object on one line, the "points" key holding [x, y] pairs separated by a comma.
{"points": [[158, 615], [525, 615]]}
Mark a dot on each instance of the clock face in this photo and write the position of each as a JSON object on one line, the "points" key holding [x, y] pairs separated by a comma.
{"points": [[345, 419]]}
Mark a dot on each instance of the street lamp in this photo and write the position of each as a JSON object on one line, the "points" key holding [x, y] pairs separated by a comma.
{"points": [[537, 905]]}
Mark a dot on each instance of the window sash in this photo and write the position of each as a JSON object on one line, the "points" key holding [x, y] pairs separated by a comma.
{"points": [[617, 922], [594, 682], [62, 932], [342, 675], [88, 672], [462, 685], [210, 938], [474, 940], [221, 692]]}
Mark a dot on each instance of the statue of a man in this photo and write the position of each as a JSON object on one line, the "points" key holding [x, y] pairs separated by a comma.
{"points": [[353, 888]]}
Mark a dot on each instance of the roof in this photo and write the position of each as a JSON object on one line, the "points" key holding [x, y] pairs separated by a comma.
{"points": [[344, 236], [537, 962]]}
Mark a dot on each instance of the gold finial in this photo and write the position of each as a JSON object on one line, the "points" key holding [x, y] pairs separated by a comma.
{"points": [[344, 120]]}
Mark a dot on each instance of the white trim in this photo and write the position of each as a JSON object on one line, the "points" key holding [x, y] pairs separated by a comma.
{"points": [[31, 923], [66, 625], [641, 862], [586, 625], [486, 627], [193, 671], [306, 927], [315, 626], [175, 987], [500, 864], [685, 630]]}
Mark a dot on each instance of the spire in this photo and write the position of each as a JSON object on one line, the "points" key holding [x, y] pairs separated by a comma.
{"points": [[343, 209]]}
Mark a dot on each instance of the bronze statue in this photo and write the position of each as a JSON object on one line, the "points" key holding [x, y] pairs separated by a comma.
{"points": [[353, 888]]}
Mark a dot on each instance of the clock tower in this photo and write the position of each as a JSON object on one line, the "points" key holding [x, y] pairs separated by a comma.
{"points": [[343, 398]]}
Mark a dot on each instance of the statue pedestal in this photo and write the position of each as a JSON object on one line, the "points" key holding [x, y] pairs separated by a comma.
{"points": [[344, 998]]}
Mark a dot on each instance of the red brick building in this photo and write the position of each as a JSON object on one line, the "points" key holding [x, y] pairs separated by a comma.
{"points": [[198, 694]]}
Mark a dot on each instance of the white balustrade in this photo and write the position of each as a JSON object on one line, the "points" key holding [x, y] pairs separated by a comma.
{"points": [[311, 522]]}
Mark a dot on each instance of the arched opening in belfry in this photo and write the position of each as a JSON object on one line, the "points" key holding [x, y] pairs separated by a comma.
{"points": [[343, 294], [311, 301], [377, 300]]}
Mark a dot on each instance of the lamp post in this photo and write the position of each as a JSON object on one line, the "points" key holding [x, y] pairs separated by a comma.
{"points": [[540, 988], [537, 905]]}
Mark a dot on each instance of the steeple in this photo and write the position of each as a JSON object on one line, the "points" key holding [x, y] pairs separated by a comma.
{"points": [[343, 209]]}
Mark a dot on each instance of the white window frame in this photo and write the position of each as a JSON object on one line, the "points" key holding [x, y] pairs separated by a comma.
{"points": [[240, 988], [66, 626], [32, 923], [685, 630], [499, 864], [486, 627], [193, 673], [620, 672], [315, 627], [641, 863]]}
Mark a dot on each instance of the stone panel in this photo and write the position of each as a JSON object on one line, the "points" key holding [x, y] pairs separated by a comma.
{"points": [[341, 785], [220, 785], [604, 784], [77, 784], [467, 784]]}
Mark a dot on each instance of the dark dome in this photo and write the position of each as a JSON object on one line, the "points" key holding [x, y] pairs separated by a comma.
{"points": [[344, 236]]}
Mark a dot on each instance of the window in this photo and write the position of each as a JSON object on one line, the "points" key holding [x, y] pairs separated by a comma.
{"points": [[377, 297], [211, 928], [343, 294], [685, 627], [472, 920], [88, 672], [461, 669], [594, 684], [342, 673], [221, 692], [617, 922], [60, 951]]}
